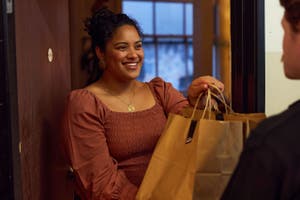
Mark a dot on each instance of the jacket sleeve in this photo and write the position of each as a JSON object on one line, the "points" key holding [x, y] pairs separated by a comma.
{"points": [[96, 172]]}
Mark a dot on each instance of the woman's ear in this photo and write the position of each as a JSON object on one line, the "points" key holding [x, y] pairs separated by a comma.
{"points": [[99, 53], [100, 56]]}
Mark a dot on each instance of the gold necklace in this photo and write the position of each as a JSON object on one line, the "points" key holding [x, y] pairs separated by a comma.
{"points": [[130, 106]]}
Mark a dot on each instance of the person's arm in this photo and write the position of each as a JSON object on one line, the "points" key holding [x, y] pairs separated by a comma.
{"points": [[96, 172], [173, 101], [257, 176], [170, 99]]}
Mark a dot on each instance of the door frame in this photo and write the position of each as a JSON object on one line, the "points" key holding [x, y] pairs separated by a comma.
{"points": [[9, 131], [248, 55]]}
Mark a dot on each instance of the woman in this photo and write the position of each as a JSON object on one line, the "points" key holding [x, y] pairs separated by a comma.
{"points": [[269, 167], [113, 124]]}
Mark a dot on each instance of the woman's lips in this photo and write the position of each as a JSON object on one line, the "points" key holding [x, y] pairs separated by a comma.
{"points": [[131, 65]]}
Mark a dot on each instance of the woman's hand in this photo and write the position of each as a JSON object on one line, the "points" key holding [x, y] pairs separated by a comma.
{"points": [[200, 85]]}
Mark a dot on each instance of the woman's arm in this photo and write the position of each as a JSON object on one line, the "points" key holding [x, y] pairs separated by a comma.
{"points": [[173, 101]]}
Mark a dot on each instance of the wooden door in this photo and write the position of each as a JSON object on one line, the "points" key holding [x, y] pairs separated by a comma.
{"points": [[42, 29]]}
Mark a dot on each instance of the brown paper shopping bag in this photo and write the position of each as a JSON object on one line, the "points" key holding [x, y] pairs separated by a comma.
{"points": [[193, 158]]}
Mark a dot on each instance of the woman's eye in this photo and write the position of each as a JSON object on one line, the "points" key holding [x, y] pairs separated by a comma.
{"points": [[139, 46], [121, 48]]}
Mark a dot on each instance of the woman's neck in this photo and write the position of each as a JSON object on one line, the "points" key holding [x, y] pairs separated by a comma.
{"points": [[117, 87]]}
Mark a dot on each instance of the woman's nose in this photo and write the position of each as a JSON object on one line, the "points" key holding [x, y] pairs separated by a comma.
{"points": [[132, 53]]}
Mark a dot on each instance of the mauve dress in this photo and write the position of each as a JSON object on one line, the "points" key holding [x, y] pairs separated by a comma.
{"points": [[109, 151]]}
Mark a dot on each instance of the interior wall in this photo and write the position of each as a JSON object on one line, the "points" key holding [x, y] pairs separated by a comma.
{"points": [[203, 37], [280, 91]]}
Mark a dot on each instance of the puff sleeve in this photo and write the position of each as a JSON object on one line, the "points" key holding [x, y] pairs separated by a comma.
{"points": [[171, 99]]}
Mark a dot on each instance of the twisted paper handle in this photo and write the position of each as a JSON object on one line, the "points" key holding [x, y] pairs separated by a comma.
{"points": [[208, 104]]}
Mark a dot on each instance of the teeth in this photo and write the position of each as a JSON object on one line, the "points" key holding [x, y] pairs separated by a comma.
{"points": [[132, 64]]}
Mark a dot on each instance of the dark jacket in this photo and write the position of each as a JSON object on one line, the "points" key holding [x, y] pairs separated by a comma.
{"points": [[269, 166]]}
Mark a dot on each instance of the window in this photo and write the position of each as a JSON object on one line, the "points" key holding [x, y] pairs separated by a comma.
{"points": [[168, 39]]}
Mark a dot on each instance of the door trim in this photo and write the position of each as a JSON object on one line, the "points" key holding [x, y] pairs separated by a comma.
{"points": [[248, 55], [10, 129]]}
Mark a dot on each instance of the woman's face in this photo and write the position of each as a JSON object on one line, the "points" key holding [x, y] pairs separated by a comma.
{"points": [[124, 54], [291, 51]]}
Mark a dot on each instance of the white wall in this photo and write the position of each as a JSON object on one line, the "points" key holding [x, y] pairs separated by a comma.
{"points": [[280, 91]]}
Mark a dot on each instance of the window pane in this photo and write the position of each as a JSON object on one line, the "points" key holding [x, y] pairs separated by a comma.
{"points": [[148, 70], [142, 12], [172, 62], [189, 18], [169, 18]]}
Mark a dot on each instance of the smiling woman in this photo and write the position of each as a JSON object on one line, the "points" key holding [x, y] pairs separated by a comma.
{"points": [[112, 125]]}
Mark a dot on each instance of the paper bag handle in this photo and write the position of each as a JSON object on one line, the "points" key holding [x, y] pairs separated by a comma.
{"points": [[194, 122], [208, 105], [221, 98]]}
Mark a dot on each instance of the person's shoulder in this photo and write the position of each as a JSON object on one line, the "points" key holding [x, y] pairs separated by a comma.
{"points": [[279, 131], [81, 99], [79, 95], [158, 83], [285, 120]]}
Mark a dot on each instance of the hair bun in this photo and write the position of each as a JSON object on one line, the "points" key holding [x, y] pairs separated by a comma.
{"points": [[103, 12], [98, 20]]}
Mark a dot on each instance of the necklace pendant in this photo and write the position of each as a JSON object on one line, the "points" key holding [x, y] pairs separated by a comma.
{"points": [[131, 108]]}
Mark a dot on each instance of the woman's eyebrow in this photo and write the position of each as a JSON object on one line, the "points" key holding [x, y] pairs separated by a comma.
{"points": [[118, 43]]}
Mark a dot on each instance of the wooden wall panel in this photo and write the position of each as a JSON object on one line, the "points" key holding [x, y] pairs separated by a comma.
{"points": [[42, 88]]}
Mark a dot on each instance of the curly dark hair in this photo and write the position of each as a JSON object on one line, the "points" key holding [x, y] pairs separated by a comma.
{"points": [[101, 26], [292, 13]]}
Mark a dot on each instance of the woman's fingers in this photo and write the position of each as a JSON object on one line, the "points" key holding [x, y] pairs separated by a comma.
{"points": [[200, 85], [195, 90], [208, 80]]}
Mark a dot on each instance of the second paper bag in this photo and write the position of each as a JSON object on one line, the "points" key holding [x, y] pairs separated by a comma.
{"points": [[193, 159]]}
